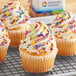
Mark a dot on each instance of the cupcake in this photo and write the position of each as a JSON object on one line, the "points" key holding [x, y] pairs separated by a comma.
{"points": [[38, 50], [64, 30], [4, 43], [16, 21]]}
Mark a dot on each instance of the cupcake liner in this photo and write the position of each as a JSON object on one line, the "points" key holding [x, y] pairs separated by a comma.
{"points": [[15, 37], [3, 51], [37, 64], [66, 47]]}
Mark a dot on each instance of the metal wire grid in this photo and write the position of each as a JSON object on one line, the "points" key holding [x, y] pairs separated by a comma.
{"points": [[12, 66]]}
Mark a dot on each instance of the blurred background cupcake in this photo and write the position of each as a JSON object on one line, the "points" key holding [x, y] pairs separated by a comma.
{"points": [[38, 50], [25, 3], [64, 30], [16, 21], [4, 43]]}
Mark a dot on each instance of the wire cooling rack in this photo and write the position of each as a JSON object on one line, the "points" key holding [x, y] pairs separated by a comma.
{"points": [[12, 66]]}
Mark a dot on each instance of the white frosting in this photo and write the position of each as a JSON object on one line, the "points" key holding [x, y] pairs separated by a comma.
{"points": [[34, 35], [3, 35], [15, 13], [65, 26]]}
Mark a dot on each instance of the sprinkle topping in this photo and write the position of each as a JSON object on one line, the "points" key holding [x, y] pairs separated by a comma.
{"points": [[64, 24], [13, 15], [39, 39], [3, 35]]}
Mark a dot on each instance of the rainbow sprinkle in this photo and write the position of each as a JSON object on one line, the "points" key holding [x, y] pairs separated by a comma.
{"points": [[4, 36], [36, 37], [62, 18], [8, 10]]}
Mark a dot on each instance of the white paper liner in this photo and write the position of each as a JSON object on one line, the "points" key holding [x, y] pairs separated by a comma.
{"points": [[3, 51], [36, 60], [16, 36], [15, 33], [67, 45]]}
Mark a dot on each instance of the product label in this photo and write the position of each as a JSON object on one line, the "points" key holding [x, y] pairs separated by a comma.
{"points": [[48, 5]]}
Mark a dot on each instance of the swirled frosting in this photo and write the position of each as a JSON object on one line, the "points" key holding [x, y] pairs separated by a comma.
{"points": [[3, 35], [13, 15], [64, 25], [39, 39]]}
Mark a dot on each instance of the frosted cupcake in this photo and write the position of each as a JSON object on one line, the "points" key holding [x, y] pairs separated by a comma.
{"points": [[38, 49], [4, 43], [16, 21], [64, 29]]}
